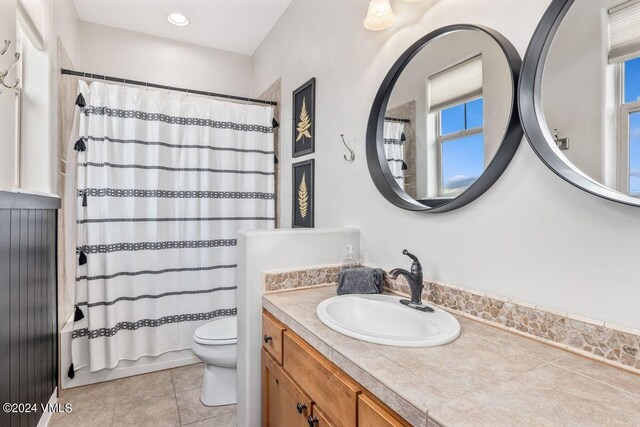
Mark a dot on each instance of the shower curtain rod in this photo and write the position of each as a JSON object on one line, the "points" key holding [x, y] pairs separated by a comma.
{"points": [[157, 86]]}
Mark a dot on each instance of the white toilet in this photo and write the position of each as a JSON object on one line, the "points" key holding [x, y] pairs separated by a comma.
{"points": [[215, 343]]}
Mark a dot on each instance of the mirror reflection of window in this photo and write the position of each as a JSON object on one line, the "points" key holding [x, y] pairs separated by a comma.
{"points": [[461, 146], [631, 122], [457, 106], [624, 53]]}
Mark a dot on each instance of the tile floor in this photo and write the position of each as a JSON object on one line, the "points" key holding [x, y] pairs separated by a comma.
{"points": [[164, 398]]}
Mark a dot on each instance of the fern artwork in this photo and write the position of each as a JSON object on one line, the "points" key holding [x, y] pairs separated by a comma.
{"points": [[304, 111], [305, 122], [303, 197], [303, 194]]}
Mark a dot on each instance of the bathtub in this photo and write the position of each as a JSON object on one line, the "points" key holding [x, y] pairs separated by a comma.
{"points": [[125, 368]]}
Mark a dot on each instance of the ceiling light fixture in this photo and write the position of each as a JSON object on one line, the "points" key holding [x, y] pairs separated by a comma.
{"points": [[380, 15], [178, 19]]}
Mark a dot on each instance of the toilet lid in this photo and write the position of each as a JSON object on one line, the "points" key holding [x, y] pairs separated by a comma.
{"points": [[218, 332]]}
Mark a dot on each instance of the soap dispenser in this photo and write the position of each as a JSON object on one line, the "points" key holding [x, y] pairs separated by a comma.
{"points": [[349, 260]]}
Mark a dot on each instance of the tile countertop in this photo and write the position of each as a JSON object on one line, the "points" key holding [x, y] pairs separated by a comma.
{"points": [[488, 376]]}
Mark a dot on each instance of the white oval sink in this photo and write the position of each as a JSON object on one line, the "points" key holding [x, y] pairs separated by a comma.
{"points": [[381, 319]]}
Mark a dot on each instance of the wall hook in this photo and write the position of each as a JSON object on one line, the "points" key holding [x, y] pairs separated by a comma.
{"points": [[562, 143], [352, 154], [4, 50], [4, 73]]}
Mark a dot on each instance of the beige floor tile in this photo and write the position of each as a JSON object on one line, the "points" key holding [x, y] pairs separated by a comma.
{"points": [[89, 393], [602, 372], [92, 405], [96, 417], [142, 387], [226, 420], [152, 412], [192, 410], [187, 377]]}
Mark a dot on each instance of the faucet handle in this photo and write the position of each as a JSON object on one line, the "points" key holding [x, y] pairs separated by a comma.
{"points": [[410, 255]]}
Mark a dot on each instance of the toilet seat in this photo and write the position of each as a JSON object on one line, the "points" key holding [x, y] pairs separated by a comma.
{"points": [[218, 332]]}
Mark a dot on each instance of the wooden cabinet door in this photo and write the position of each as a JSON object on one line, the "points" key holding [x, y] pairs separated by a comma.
{"points": [[283, 403], [329, 387], [318, 418], [272, 336], [371, 414]]}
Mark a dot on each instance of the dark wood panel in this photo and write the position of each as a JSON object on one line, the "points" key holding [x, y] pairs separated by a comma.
{"points": [[16, 217], [23, 314], [5, 313], [30, 311], [28, 319]]}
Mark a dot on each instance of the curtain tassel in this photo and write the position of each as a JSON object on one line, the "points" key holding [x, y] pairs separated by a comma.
{"points": [[274, 123], [404, 166], [403, 137], [80, 145], [82, 259], [275, 160], [71, 373], [80, 102], [84, 199], [78, 315]]}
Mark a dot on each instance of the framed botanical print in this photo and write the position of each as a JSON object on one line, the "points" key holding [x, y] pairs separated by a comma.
{"points": [[303, 194], [304, 119]]}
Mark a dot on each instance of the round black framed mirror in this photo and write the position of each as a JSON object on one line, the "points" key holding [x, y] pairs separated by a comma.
{"points": [[444, 125], [580, 95]]}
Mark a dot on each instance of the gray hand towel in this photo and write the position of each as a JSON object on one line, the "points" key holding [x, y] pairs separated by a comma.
{"points": [[360, 281]]}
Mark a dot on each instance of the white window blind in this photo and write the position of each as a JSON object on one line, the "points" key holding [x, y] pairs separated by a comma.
{"points": [[624, 32], [457, 84]]}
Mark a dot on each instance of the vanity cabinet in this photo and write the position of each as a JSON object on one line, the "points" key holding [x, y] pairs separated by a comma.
{"points": [[301, 387], [288, 405]]}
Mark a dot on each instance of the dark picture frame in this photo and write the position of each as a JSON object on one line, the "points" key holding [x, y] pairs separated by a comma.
{"points": [[304, 119], [303, 191]]}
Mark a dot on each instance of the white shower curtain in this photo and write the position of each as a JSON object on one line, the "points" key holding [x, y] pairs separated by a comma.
{"points": [[394, 149], [164, 185]]}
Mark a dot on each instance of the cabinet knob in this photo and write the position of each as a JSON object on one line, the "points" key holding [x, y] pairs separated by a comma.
{"points": [[267, 338], [300, 407], [312, 421]]}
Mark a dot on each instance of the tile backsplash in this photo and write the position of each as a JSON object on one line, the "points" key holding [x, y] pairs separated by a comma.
{"points": [[616, 345], [302, 278]]}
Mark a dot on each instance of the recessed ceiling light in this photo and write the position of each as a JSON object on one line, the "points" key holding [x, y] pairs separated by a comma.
{"points": [[178, 19]]}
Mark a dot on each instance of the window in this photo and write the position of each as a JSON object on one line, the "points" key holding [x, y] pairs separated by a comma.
{"points": [[461, 146]]}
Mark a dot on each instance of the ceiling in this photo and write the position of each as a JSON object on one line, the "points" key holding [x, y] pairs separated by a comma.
{"points": [[233, 25]]}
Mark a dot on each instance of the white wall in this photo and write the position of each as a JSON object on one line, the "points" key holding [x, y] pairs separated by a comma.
{"points": [[7, 97], [67, 25], [532, 237], [38, 148], [121, 53]]}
